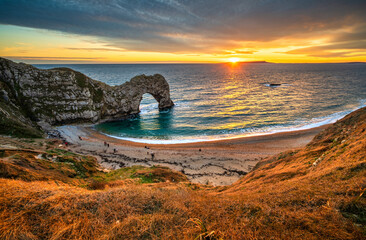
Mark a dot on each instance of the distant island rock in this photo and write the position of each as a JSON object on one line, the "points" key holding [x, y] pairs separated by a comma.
{"points": [[32, 96], [275, 84]]}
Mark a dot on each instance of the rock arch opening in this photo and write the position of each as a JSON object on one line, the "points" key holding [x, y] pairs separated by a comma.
{"points": [[148, 102]]}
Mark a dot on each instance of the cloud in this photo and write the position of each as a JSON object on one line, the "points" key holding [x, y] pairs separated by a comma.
{"points": [[97, 49], [190, 26], [243, 52], [343, 44], [233, 52], [50, 58]]}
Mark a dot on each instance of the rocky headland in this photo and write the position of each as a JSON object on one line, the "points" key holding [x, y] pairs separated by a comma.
{"points": [[32, 99]]}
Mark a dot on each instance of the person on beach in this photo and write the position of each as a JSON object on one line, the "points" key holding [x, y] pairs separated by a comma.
{"points": [[114, 150], [152, 156], [80, 138]]}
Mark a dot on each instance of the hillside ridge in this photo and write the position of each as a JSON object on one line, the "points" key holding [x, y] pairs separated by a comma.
{"points": [[317, 192]]}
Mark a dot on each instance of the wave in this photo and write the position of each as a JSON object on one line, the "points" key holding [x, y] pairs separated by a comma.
{"points": [[151, 107], [144, 109], [250, 132]]}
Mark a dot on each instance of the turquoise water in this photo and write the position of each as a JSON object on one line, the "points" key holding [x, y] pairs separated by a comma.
{"points": [[215, 101]]}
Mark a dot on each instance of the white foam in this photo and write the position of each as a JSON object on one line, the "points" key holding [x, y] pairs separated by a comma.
{"points": [[151, 107]]}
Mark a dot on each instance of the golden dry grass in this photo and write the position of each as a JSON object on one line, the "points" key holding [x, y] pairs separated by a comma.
{"points": [[314, 193]]}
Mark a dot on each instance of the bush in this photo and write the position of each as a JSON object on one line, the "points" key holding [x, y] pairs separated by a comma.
{"points": [[97, 185]]}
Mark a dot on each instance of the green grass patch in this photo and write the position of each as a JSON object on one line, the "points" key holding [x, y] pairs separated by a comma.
{"points": [[85, 166], [144, 174], [80, 79], [120, 174]]}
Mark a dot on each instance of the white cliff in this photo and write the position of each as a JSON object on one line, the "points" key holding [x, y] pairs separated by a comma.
{"points": [[62, 95]]}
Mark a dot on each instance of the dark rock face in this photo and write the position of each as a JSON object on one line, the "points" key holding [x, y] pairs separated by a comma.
{"points": [[63, 95]]}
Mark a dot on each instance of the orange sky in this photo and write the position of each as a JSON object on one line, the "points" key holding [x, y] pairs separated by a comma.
{"points": [[303, 33]]}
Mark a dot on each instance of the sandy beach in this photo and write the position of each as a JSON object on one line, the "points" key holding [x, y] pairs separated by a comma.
{"points": [[220, 162]]}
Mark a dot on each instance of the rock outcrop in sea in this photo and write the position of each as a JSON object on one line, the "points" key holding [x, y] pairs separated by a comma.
{"points": [[62, 95]]}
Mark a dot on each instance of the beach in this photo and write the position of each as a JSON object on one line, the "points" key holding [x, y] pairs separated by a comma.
{"points": [[218, 162]]}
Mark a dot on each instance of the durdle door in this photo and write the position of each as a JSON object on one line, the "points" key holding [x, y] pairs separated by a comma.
{"points": [[62, 95]]}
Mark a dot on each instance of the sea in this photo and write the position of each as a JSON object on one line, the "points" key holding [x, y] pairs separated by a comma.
{"points": [[224, 100]]}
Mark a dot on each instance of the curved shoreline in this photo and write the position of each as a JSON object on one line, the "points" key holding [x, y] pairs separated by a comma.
{"points": [[312, 123], [204, 140], [215, 142], [218, 162]]}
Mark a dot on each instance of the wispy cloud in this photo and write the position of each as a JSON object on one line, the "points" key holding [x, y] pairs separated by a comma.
{"points": [[50, 58], [343, 44], [97, 49]]}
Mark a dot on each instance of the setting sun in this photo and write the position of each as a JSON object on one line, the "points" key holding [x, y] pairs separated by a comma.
{"points": [[234, 59]]}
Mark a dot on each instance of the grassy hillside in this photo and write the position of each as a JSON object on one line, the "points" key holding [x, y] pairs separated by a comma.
{"points": [[314, 193]]}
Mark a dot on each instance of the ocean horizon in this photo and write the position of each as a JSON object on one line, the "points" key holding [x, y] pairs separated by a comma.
{"points": [[225, 101]]}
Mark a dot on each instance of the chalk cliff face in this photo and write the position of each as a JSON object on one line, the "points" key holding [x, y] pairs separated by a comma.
{"points": [[63, 95]]}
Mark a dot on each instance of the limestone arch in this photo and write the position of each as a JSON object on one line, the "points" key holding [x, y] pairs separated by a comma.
{"points": [[156, 86]]}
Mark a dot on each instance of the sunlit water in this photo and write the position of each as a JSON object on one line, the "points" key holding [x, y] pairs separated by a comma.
{"points": [[215, 101]]}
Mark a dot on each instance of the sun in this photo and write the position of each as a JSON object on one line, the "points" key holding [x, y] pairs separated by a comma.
{"points": [[234, 60]]}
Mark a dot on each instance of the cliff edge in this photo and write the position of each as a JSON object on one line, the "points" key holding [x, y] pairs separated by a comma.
{"points": [[30, 95]]}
